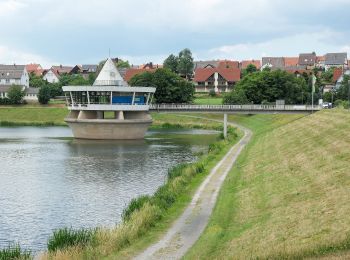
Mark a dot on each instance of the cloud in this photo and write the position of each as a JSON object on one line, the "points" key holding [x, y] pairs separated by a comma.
{"points": [[284, 46], [82, 31], [11, 56], [9, 7]]}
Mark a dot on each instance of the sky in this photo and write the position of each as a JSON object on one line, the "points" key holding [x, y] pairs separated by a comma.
{"points": [[74, 32]]}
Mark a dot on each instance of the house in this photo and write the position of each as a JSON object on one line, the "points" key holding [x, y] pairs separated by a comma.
{"points": [[338, 76], [62, 69], [206, 64], [226, 64], [129, 73], [307, 59], [34, 68], [328, 88], [51, 76], [89, 68], [244, 63], [320, 61], [16, 75], [291, 61], [272, 63], [336, 60], [217, 79]]}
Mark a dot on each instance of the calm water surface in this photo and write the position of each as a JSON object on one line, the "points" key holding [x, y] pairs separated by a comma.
{"points": [[49, 180]]}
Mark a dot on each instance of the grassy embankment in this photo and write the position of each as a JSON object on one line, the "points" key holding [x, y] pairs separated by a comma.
{"points": [[288, 195]]}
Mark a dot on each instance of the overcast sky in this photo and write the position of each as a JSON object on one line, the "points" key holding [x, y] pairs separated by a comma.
{"points": [[82, 31]]}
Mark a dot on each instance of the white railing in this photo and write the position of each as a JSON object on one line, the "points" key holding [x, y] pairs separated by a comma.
{"points": [[235, 107]]}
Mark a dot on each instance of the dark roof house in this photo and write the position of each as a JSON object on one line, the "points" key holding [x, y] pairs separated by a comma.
{"points": [[336, 59], [307, 59]]}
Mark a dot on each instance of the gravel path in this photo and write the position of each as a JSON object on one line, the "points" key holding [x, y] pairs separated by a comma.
{"points": [[189, 226]]}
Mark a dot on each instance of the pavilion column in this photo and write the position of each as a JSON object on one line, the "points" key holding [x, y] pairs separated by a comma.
{"points": [[119, 115]]}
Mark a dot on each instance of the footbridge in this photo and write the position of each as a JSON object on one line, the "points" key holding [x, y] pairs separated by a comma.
{"points": [[234, 109]]}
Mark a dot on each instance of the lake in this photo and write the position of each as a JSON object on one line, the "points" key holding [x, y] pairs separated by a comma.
{"points": [[49, 180]]}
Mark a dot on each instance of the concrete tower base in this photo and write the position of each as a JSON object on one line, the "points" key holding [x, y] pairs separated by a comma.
{"points": [[109, 129]]}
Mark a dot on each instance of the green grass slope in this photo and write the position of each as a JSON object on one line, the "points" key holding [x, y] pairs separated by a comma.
{"points": [[288, 195]]}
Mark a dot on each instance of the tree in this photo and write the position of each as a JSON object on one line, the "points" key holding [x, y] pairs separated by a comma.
{"points": [[122, 64], [236, 97], [170, 88], [15, 94], [36, 81], [185, 64], [55, 90], [251, 68], [343, 91], [44, 95], [269, 86], [171, 63]]}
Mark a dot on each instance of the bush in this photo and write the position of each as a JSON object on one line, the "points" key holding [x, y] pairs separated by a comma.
{"points": [[135, 204], [15, 94], [67, 237], [14, 252], [44, 95], [212, 93], [5, 101]]}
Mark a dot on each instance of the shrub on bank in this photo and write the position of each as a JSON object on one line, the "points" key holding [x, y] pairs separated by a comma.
{"points": [[68, 237], [15, 252]]}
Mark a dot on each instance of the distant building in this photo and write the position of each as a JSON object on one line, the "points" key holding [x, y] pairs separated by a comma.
{"points": [[217, 79], [244, 63], [129, 73], [51, 76], [307, 59], [291, 61], [336, 60], [272, 63], [16, 75], [34, 68], [206, 64], [62, 69], [320, 61]]}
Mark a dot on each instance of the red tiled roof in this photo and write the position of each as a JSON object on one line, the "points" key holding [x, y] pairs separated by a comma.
{"points": [[291, 61], [34, 68], [226, 64], [132, 72], [62, 69], [230, 74], [337, 73], [256, 63]]}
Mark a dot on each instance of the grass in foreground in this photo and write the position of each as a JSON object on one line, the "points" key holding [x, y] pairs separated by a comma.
{"points": [[288, 195], [15, 252]]}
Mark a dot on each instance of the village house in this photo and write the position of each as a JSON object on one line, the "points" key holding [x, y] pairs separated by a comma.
{"points": [[51, 76], [16, 75], [244, 64], [216, 79], [272, 63], [205, 64], [34, 68], [336, 60], [307, 59]]}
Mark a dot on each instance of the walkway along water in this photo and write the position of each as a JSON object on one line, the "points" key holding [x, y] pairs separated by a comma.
{"points": [[187, 229]]}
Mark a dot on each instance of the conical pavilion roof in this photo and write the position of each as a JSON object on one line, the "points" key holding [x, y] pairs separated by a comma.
{"points": [[109, 75]]}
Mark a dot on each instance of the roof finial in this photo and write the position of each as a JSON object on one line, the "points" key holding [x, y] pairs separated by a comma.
{"points": [[109, 52]]}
